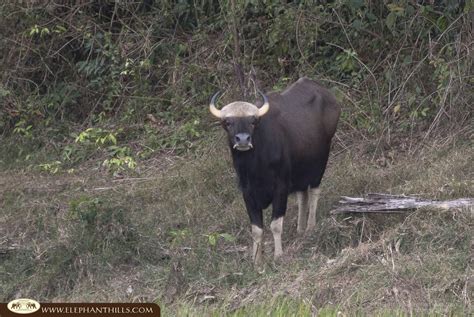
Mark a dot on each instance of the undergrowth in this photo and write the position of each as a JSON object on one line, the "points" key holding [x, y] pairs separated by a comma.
{"points": [[180, 237], [142, 72]]}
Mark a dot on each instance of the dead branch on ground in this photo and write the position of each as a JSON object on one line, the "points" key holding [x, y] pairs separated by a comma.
{"points": [[385, 203]]}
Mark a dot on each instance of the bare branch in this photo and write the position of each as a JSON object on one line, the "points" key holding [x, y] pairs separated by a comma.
{"points": [[385, 203]]}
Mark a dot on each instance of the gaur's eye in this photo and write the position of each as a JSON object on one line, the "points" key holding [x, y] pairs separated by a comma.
{"points": [[227, 123]]}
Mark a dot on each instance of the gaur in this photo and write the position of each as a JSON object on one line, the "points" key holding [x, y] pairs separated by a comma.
{"points": [[280, 148]]}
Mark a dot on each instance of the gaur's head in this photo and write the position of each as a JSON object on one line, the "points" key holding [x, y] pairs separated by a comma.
{"points": [[240, 119]]}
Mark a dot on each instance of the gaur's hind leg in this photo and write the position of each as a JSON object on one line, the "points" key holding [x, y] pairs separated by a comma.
{"points": [[302, 198], [277, 229], [313, 205]]}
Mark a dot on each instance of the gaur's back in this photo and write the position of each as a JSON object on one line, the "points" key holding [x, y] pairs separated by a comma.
{"points": [[307, 115]]}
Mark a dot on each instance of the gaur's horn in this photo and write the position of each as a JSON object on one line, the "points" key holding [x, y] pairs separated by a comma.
{"points": [[265, 107], [212, 106]]}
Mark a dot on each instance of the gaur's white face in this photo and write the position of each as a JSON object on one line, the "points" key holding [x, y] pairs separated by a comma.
{"points": [[240, 131], [240, 119]]}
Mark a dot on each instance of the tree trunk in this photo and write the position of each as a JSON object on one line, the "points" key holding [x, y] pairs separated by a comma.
{"points": [[239, 72]]}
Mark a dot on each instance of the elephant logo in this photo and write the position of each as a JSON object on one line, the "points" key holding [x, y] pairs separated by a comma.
{"points": [[23, 306]]}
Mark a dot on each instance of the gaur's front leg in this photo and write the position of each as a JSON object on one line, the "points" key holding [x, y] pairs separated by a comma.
{"points": [[256, 221], [279, 203]]}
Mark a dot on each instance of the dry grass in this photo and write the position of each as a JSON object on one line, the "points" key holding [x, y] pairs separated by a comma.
{"points": [[88, 237]]}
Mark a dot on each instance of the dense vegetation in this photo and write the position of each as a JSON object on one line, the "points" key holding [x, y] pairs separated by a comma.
{"points": [[113, 177], [107, 72]]}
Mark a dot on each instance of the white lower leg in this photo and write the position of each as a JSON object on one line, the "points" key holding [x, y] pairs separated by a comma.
{"points": [[313, 205], [257, 234], [302, 198], [277, 229]]}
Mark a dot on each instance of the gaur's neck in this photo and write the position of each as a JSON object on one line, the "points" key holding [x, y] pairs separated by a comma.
{"points": [[245, 162]]}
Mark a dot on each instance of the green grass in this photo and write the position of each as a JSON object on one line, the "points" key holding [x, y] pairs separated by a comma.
{"points": [[178, 234]]}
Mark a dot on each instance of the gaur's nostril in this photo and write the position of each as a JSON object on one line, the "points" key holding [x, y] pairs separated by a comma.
{"points": [[242, 138]]}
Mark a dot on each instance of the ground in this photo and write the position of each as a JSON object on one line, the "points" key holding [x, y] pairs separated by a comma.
{"points": [[176, 233]]}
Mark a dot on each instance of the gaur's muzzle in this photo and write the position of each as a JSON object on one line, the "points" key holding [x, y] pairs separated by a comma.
{"points": [[243, 142]]}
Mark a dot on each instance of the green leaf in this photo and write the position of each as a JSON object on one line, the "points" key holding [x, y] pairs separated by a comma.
{"points": [[395, 8], [424, 112], [469, 6], [390, 20], [112, 138], [212, 240], [397, 108], [60, 29], [357, 24], [34, 30], [227, 237], [44, 31], [407, 60], [442, 23], [355, 4], [4, 92], [372, 17]]}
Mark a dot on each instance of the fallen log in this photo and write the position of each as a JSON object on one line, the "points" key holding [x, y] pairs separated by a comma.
{"points": [[385, 203]]}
